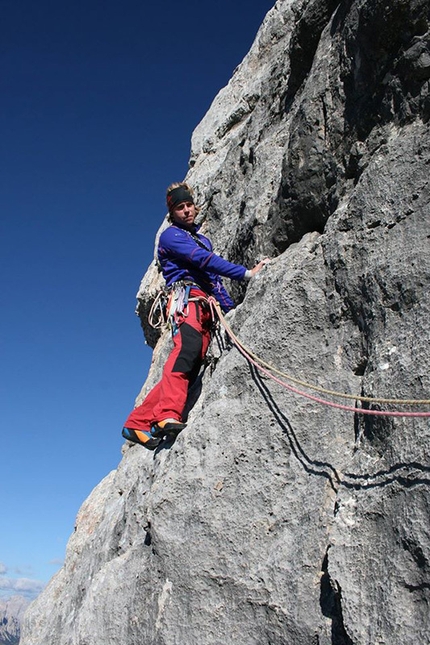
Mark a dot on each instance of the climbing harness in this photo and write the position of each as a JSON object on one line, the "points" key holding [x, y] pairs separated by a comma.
{"points": [[270, 371], [171, 307]]}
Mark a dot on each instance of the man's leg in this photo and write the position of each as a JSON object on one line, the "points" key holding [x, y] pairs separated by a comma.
{"points": [[166, 401]]}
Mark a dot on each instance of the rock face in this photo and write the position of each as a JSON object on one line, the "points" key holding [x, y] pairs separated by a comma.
{"points": [[276, 519], [11, 614]]}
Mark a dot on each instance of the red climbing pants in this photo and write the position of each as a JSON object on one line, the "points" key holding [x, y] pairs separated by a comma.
{"points": [[168, 398]]}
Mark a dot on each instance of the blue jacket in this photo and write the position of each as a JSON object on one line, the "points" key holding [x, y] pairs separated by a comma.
{"points": [[182, 258]]}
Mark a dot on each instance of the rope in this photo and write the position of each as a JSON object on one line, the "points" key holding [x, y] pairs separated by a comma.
{"points": [[158, 304], [261, 365]]}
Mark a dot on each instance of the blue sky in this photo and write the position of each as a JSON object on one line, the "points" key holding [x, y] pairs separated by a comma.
{"points": [[99, 99]]}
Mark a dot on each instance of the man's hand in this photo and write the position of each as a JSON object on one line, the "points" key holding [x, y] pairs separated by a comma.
{"points": [[259, 266]]}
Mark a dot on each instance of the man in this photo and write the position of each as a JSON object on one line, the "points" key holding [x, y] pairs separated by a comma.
{"points": [[192, 270]]}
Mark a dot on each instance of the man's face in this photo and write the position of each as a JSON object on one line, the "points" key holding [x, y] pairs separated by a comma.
{"points": [[184, 214]]}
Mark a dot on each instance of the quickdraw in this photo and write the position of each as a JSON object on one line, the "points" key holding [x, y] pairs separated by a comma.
{"points": [[177, 305]]}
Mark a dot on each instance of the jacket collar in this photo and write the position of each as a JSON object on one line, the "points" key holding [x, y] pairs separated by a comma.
{"points": [[194, 229]]}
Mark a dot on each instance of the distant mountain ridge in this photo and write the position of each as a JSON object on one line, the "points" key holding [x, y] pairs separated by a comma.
{"points": [[11, 614]]}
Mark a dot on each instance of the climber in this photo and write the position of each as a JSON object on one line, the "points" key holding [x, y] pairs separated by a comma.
{"points": [[192, 273]]}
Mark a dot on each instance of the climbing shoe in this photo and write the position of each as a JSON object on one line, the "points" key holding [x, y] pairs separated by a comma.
{"points": [[141, 437], [167, 429]]}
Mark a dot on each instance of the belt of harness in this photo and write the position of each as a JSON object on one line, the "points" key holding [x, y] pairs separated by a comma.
{"points": [[171, 305]]}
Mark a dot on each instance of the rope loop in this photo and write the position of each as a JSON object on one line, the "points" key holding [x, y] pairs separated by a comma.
{"points": [[157, 313]]}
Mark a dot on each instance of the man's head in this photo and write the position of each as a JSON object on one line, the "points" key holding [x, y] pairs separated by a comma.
{"points": [[180, 202]]}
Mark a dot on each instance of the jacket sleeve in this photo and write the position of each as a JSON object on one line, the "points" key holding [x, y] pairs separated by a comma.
{"points": [[179, 244], [223, 297]]}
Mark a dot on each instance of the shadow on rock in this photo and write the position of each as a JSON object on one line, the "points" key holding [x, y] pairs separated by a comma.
{"points": [[405, 474]]}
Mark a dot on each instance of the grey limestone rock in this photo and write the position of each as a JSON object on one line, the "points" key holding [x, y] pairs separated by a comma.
{"points": [[274, 518]]}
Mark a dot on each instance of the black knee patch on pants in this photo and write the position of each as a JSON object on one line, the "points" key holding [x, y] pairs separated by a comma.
{"points": [[191, 349]]}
